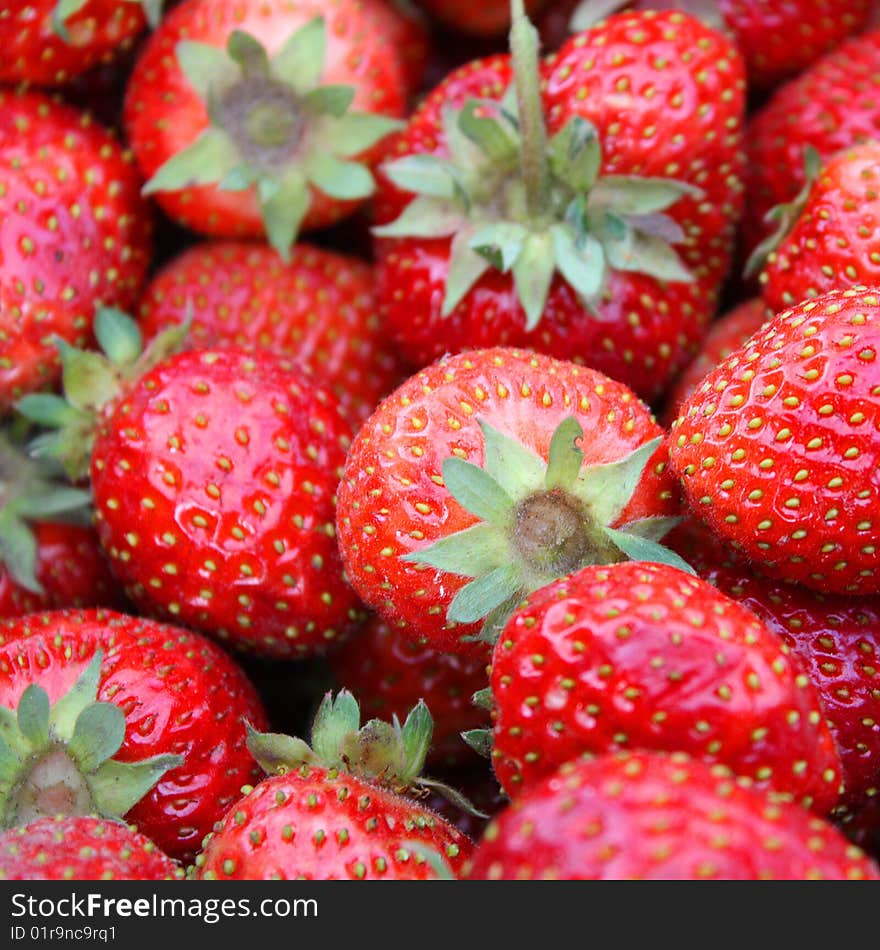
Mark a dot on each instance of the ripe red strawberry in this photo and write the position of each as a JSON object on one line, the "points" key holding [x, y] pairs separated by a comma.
{"points": [[320, 309], [562, 230], [80, 848], [643, 656], [214, 476], [777, 451], [827, 238], [408, 32], [435, 543], [727, 334], [184, 703], [830, 107], [391, 674], [777, 39], [335, 811], [239, 114], [833, 638], [48, 42], [75, 233], [490, 18], [649, 816]]}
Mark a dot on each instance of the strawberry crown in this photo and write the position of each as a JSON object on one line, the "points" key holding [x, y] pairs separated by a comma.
{"points": [[513, 200], [274, 128], [539, 521], [65, 9], [59, 759], [91, 382], [32, 491], [785, 215], [383, 753]]}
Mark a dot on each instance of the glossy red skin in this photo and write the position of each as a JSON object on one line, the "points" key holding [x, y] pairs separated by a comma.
{"points": [[399, 451], [203, 436], [82, 849], [180, 693], [834, 243], [644, 656], [490, 18], [71, 568], [34, 52], [645, 331], [728, 333], [834, 637], [58, 165], [409, 34], [163, 114], [340, 828], [831, 106], [649, 816], [389, 674], [319, 309], [789, 417]]}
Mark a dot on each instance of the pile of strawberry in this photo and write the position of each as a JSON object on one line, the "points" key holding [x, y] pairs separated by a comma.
{"points": [[488, 389]]}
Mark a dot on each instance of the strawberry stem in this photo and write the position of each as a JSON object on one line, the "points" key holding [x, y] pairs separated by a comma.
{"points": [[533, 131]]}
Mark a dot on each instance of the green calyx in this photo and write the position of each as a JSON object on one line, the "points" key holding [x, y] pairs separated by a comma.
{"points": [[512, 199], [92, 381], [32, 491], [65, 9], [58, 760], [273, 128], [785, 216], [538, 521], [387, 754]]}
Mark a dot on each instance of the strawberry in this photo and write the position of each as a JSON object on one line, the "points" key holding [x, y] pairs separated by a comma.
{"points": [[490, 18], [48, 42], [164, 692], [335, 810], [80, 848], [407, 29], [391, 674], [239, 114], [320, 309], [562, 213], [832, 637], [466, 489], [644, 815], [644, 656], [727, 334], [75, 232], [830, 107], [777, 39], [777, 451], [826, 239]]}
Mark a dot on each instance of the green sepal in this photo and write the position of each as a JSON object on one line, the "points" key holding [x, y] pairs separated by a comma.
{"points": [[283, 210], [453, 796], [335, 719], [606, 489], [425, 217], [480, 740], [654, 529], [18, 550], [517, 470], [209, 159], [638, 548], [300, 60], [33, 716], [565, 458], [248, 52], [575, 154], [329, 100], [471, 552], [633, 195], [341, 179], [580, 261], [784, 216], [10, 763], [61, 13], [207, 68], [50, 501], [424, 174], [10, 735], [484, 699], [477, 491], [118, 335], [89, 380], [488, 134], [66, 711], [501, 243], [533, 273], [152, 11], [119, 786], [465, 268], [417, 731], [98, 733], [479, 598], [276, 753], [47, 409], [497, 618], [376, 752]]}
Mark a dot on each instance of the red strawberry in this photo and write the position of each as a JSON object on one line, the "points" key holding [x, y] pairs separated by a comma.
{"points": [[184, 703], [830, 107], [214, 476], [832, 636], [408, 32], [47, 42], [391, 674], [648, 816], [557, 231], [643, 656], [320, 308], [827, 238], [334, 811], [239, 114], [435, 543], [490, 18], [727, 334], [778, 453], [75, 233], [80, 848]]}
